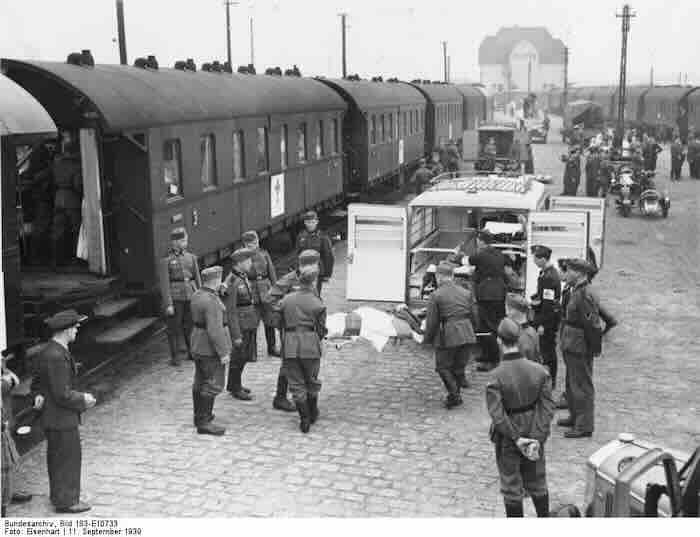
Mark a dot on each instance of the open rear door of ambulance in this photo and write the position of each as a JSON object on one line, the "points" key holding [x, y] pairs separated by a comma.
{"points": [[596, 208], [566, 233], [377, 252]]}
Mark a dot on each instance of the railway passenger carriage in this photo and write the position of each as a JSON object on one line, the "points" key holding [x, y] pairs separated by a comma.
{"points": [[443, 116], [474, 106]]}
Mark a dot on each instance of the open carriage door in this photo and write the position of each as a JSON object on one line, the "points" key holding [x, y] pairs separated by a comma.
{"points": [[377, 252], [566, 233], [596, 208], [93, 232]]}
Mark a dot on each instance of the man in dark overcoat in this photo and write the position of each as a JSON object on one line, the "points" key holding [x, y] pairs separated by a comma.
{"points": [[546, 305], [519, 401], [677, 158], [312, 238], [593, 162], [421, 177], [449, 328], [54, 379]]}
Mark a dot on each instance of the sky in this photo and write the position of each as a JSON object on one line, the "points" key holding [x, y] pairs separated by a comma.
{"points": [[385, 37]]}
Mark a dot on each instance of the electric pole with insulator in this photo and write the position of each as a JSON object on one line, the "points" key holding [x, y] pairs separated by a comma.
{"points": [[228, 5], [343, 30], [626, 15], [444, 57], [120, 32]]}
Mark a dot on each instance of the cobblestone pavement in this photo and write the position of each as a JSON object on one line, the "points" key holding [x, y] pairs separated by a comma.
{"points": [[384, 445]]}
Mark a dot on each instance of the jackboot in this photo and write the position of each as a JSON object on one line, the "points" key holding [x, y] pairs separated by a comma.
{"points": [[271, 339], [280, 402], [541, 504], [313, 408], [174, 351], [514, 509], [304, 421], [207, 426], [196, 407]]}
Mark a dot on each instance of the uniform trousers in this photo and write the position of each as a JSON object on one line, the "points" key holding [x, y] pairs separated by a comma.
{"points": [[240, 356], [676, 165], [571, 185], [580, 393], [63, 459], [10, 461], [518, 473], [449, 364], [548, 350], [64, 233], [208, 383], [491, 313], [302, 375], [179, 326]]}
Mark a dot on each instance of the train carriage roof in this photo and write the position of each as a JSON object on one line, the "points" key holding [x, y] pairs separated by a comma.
{"points": [[129, 98], [20, 113], [439, 93], [470, 91], [664, 93], [368, 94]]}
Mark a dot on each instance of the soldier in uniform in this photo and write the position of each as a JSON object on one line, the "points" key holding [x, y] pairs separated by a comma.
{"points": [[261, 276], [54, 379], [68, 176], [677, 158], [694, 156], [517, 310], [303, 318], [240, 298], [449, 328], [211, 350], [546, 305], [572, 172], [453, 157], [580, 343], [312, 238], [592, 172], [287, 284], [490, 289], [178, 278], [519, 401], [422, 177]]}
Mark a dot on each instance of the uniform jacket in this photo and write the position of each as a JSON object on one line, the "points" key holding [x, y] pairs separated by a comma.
{"points": [[529, 343], [320, 242], [449, 317], [210, 335], [581, 326], [7, 414], [285, 285], [489, 276], [262, 274], [573, 168], [304, 324], [677, 151], [240, 298], [54, 378], [69, 182], [693, 150], [178, 277], [592, 166], [516, 385], [547, 306]]}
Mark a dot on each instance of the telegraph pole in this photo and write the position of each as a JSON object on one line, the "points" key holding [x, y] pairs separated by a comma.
{"points": [[120, 31], [444, 57], [252, 43], [228, 4], [565, 96], [343, 17], [449, 69], [626, 15]]}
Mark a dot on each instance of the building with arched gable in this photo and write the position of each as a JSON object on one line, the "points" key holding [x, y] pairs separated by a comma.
{"points": [[521, 59]]}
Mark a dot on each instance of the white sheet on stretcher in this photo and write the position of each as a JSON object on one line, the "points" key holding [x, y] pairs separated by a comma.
{"points": [[376, 327]]}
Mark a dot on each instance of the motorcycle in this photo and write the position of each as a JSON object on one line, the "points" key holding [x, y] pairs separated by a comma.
{"points": [[638, 188]]}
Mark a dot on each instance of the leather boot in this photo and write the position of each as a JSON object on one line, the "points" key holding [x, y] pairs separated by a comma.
{"points": [[280, 402], [304, 421], [172, 343], [541, 504], [207, 426], [271, 338], [313, 408], [196, 407], [514, 509]]}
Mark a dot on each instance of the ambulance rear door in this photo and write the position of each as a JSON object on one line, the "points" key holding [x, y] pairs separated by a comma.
{"points": [[377, 252], [596, 209], [566, 233]]}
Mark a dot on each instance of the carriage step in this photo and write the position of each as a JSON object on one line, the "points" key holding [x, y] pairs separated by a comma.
{"points": [[125, 331], [114, 307]]}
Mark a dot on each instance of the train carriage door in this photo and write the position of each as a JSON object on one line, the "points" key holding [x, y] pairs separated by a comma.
{"points": [[596, 209], [566, 233], [377, 252], [92, 224]]}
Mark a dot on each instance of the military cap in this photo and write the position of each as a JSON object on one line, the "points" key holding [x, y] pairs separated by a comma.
{"points": [[241, 255], [432, 269], [508, 331], [310, 215], [541, 251], [485, 236], [445, 269], [211, 273], [422, 161], [249, 236], [307, 274], [309, 257], [517, 303], [178, 233], [580, 265], [64, 319]]}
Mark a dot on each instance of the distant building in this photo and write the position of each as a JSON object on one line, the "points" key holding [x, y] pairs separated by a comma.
{"points": [[521, 59]]}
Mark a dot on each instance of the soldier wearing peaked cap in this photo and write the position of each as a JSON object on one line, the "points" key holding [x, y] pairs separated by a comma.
{"points": [[211, 350], [517, 310], [54, 379], [179, 278], [312, 238], [546, 304], [519, 401], [241, 301], [449, 328], [286, 284], [261, 275]]}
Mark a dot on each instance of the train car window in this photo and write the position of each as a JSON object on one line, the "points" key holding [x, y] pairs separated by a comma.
{"points": [[373, 130], [404, 124], [301, 142], [410, 123], [334, 135], [422, 119], [390, 130], [172, 166], [382, 137], [207, 149], [263, 150], [238, 156], [320, 149], [284, 138]]}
